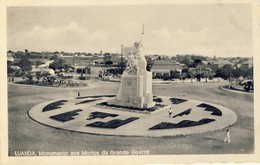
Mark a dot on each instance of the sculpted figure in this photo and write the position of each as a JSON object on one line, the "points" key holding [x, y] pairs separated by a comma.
{"points": [[132, 64], [141, 59], [136, 60]]}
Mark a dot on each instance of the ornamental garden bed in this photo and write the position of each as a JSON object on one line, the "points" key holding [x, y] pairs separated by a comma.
{"points": [[158, 100], [177, 100], [99, 96], [113, 124], [215, 111], [54, 105], [182, 124], [101, 115], [64, 117], [156, 107], [186, 112], [87, 101]]}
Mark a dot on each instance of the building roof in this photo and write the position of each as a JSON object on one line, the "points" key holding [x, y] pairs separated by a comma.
{"points": [[41, 70], [10, 58], [222, 62], [15, 67], [166, 66], [46, 64]]}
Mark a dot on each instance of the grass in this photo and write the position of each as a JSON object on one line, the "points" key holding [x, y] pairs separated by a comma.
{"points": [[177, 100], [100, 115], [182, 124], [64, 117], [215, 111], [87, 101], [186, 112], [54, 105], [113, 124]]}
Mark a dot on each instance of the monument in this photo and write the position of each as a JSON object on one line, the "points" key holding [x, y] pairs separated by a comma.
{"points": [[135, 89]]}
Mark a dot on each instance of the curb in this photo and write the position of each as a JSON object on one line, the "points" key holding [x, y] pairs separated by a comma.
{"points": [[235, 91]]}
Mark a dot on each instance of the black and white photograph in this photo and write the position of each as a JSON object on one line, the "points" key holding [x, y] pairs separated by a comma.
{"points": [[141, 80]]}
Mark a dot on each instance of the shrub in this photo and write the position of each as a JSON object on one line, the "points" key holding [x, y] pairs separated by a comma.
{"points": [[67, 116], [215, 111], [101, 115], [182, 124], [54, 105], [113, 124]]}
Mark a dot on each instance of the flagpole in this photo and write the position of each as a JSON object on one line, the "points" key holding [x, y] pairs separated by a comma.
{"points": [[142, 34]]}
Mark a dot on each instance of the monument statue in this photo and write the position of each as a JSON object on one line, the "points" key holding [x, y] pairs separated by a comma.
{"points": [[135, 89]]}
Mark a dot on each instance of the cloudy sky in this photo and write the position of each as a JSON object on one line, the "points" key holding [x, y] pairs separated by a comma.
{"points": [[206, 29]]}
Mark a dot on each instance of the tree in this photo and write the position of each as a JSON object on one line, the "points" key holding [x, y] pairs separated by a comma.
{"points": [[38, 76], [9, 69], [184, 60], [174, 74], [246, 72], [25, 65], [196, 63], [30, 77], [54, 57], [149, 63], [192, 74], [226, 72], [87, 70], [51, 79], [108, 63], [57, 64], [213, 68], [38, 62], [183, 76], [107, 57]]}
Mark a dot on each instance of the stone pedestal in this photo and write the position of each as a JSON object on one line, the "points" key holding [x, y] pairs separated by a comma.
{"points": [[135, 91], [136, 83]]}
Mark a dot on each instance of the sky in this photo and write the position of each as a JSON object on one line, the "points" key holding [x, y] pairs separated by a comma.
{"points": [[220, 30]]}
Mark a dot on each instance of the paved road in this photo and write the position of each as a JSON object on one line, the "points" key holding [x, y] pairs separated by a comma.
{"points": [[26, 134]]}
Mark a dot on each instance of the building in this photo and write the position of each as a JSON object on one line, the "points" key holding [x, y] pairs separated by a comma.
{"points": [[46, 64], [41, 71], [10, 56], [222, 62], [164, 67], [16, 68]]}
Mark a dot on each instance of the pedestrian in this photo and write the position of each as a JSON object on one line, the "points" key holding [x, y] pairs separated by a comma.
{"points": [[170, 112], [183, 94], [78, 94], [227, 138]]}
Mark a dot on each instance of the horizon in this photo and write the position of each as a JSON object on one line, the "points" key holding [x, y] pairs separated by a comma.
{"points": [[113, 53], [224, 31]]}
